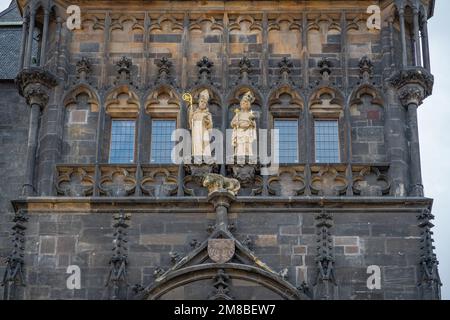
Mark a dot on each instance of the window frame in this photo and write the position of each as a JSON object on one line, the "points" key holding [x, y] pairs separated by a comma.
{"points": [[135, 139], [297, 120], [337, 121], [175, 121]]}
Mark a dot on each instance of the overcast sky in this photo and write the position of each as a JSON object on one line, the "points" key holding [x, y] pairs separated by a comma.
{"points": [[434, 138]]}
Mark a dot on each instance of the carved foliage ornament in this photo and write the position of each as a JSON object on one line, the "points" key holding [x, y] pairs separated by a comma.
{"points": [[216, 182], [34, 85], [414, 84]]}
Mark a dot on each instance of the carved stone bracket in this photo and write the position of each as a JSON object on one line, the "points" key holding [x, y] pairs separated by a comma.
{"points": [[414, 84], [34, 85]]}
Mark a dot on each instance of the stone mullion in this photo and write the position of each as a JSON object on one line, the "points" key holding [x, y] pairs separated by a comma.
{"points": [[99, 144]]}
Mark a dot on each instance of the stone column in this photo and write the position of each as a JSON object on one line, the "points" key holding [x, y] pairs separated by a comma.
{"points": [[403, 36], [24, 41], [417, 37], [221, 200], [29, 52], [425, 45], [44, 39], [34, 85], [413, 86]]}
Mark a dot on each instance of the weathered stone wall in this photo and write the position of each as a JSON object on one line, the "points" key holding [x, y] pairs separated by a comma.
{"points": [[381, 236], [13, 145]]}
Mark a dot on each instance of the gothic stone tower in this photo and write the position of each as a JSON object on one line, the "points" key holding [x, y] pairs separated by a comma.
{"points": [[89, 188]]}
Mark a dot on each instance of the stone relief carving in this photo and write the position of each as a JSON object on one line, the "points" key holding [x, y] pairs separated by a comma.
{"points": [[288, 183], [117, 182], [159, 183], [371, 183], [216, 182], [75, 182], [328, 182]]}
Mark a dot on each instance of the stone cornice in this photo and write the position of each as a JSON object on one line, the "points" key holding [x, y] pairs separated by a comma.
{"points": [[88, 205]]}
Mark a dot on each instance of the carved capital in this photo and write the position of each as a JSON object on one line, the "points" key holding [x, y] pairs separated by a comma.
{"points": [[221, 198], [34, 85], [414, 85]]}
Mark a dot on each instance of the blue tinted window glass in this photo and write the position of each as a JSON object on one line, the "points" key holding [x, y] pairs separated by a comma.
{"points": [[122, 141], [327, 141], [288, 140], [161, 140]]}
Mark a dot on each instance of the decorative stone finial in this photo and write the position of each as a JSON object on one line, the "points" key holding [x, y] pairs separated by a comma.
{"points": [[164, 73], [325, 66], [204, 70], [365, 68], [124, 66], [245, 66], [285, 66], [83, 69]]}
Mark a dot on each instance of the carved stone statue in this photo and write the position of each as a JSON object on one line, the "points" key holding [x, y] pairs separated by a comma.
{"points": [[216, 182], [244, 127], [200, 123]]}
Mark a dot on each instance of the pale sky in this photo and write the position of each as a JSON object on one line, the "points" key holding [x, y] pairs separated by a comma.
{"points": [[435, 143]]}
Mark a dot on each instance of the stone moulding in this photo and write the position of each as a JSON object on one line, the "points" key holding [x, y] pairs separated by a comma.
{"points": [[323, 180]]}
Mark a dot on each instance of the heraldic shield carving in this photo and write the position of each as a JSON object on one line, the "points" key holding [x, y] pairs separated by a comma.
{"points": [[221, 250]]}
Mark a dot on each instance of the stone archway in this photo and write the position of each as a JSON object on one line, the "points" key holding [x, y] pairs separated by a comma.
{"points": [[222, 281]]}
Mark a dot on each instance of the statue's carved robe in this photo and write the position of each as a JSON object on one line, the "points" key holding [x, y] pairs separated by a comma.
{"points": [[244, 133], [201, 123]]}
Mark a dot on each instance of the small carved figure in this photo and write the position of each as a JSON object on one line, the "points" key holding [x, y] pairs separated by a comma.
{"points": [[200, 122], [244, 127], [215, 182]]}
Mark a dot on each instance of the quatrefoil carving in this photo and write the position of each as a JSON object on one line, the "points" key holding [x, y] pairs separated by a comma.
{"points": [[328, 182], [118, 183], [287, 183], [75, 182], [160, 183], [371, 183]]}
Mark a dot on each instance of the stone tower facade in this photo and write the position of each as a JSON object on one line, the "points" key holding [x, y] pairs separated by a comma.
{"points": [[91, 209]]}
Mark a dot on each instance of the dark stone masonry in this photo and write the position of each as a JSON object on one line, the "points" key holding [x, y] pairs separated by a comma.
{"points": [[356, 228]]}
